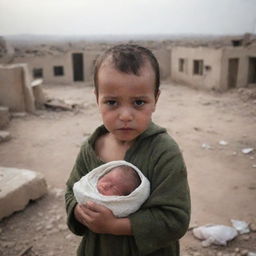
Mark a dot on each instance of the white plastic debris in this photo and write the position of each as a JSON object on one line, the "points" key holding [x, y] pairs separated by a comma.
{"points": [[206, 146], [251, 254], [241, 226], [215, 234], [247, 150], [223, 142]]}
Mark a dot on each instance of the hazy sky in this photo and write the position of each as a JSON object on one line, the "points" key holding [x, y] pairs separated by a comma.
{"points": [[81, 17]]}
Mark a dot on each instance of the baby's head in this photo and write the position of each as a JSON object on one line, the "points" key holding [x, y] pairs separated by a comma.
{"points": [[128, 59], [119, 181]]}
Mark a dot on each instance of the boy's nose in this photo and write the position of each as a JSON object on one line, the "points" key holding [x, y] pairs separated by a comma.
{"points": [[125, 115]]}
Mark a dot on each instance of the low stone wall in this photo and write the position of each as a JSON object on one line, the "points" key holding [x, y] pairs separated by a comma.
{"points": [[15, 88]]}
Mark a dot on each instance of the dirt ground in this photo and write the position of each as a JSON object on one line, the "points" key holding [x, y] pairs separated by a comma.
{"points": [[222, 179]]}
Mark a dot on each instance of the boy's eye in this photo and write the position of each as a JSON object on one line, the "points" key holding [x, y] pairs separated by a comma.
{"points": [[111, 102], [139, 103]]}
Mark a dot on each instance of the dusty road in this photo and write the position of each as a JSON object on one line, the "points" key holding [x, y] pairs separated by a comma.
{"points": [[222, 178]]}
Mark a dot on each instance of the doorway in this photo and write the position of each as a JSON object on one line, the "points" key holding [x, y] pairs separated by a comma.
{"points": [[252, 71], [232, 72], [78, 67]]}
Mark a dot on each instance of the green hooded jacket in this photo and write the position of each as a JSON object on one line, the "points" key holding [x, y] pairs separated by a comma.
{"points": [[162, 220]]}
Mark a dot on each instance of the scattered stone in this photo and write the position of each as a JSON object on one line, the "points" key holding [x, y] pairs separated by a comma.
{"points": [[246, 237], [247, 150], [18, 114], [237, 250], [252, 227], [223, 142], [62, 227], [4, 136], [57, 105], [244, 252], [254, 166], [206, 146], [18, 187], [68, 237]]}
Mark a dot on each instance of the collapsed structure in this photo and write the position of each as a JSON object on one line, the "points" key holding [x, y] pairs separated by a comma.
{"points": [[218, 66]]}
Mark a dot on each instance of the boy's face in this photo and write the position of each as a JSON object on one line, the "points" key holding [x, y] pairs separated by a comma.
{"points": [[126, 101]]}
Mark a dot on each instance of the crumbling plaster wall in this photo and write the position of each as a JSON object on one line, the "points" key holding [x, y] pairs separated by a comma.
{"points": [[15, 88], [243, 54], [164, 59], [47, 63], [211, 71]]}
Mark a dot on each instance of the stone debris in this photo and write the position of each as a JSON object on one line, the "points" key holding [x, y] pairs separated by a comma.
{"points": [[18, 114], [252, 227], [4, 136], [247, 150], [18, 187], [58, 105], [223, 142], [206, 146]]}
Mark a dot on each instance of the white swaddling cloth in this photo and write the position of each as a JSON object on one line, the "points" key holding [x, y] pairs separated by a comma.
{"points": [[86, 190]]}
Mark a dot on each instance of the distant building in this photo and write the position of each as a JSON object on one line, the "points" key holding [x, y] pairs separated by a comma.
{"points": [[219, 68], [62, 68]]}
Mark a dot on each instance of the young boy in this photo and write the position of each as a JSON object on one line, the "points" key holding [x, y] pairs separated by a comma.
{"points": [[127, 89], [118, 185]]}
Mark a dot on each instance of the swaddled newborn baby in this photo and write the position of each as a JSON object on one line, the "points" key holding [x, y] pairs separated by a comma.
{"points": [[119, 181], [118, 185]]}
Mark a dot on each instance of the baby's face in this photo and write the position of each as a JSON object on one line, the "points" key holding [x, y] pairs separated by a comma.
{"points": [[114, 183]]}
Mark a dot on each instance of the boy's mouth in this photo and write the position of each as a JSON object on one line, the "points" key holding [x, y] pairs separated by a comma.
{"points": [[125, 129]]}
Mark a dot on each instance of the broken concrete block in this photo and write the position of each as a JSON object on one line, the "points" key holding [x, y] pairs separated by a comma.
{"points": [[4, 136], [17, 188], [4, 117]]}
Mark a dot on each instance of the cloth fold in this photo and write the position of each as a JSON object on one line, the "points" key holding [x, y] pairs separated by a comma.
{"points": [[86, 190]]}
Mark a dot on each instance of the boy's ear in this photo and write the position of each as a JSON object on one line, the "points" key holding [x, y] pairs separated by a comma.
{"points": [[157, 95], [156, 98]]}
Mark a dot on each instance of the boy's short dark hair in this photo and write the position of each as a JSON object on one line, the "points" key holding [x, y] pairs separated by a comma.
{"points": [[128, 58]]}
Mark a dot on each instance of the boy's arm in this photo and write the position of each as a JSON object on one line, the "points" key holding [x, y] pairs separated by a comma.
{"points": [[165, 216], [78, 171]]}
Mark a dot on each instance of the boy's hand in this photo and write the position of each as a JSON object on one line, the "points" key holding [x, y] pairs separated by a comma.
{"points": [[97, 218]]}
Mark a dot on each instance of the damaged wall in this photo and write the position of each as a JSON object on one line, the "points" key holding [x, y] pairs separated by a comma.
{"points": [[183, 66], [15, 88], [214, 68]]}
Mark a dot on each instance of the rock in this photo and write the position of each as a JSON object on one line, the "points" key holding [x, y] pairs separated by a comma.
{"points": [[18, 187], [244, 252], [246, 237], [62, 227], [252, 227], [57, 105], [68, 237], [18, 114], [247, 150], [4, 136]]}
